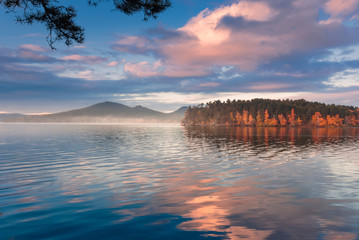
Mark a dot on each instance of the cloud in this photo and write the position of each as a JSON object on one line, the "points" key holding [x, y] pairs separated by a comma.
{"points": [[209, 84], [202, 97], [346, 78], [269, 86], [133, 44], [345, 54], [32, 47], [156, 69], [142, 69], [341, 8], [243, 35], [112, 64], [33, 56], [86, 59], [350, 97], [274, 49], [205, 28]]}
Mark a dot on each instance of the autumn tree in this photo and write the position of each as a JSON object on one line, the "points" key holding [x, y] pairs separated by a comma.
{"points": [[291, 118], [259, 119], [350, 121], [245, 117], [298, 112], [239, 118], [251, 120], [60, 22], [231, 118], [318, 121], [299, 121], [282, 120], [273, 122], [266, 118]]}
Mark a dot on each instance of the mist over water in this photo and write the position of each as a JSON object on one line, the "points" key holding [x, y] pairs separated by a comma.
{"points": [[171, 182]]}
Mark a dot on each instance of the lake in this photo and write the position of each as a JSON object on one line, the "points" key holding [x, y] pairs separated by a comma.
{"points": [[172, 182]]}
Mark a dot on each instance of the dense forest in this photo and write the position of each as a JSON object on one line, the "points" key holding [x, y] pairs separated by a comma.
{"points": [[270, 113]]}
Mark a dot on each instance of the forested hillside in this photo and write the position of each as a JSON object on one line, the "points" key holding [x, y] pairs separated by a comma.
{"points": [[267, 112]]}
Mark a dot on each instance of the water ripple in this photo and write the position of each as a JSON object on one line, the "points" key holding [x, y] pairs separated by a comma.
{"points": [[145, 182]]}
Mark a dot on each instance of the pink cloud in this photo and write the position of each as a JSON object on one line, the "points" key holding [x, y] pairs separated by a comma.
{"points": [[147, 69], [79, 46], [340, 8], [112, 64], [345, 98], [133, 44], [32, 47], [284, 74], [205, 25], [217, 43], [269, 86], [243, 35], [85, 59], [33, 56], [141, 69], [209, 84]]}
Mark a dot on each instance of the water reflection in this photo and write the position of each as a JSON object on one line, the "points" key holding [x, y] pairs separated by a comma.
{"points": [[171, 182], [274, 135]]}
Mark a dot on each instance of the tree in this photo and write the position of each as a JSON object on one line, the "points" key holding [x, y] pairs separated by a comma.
{"points": [[266, 118], [239, 118], [251, 120], [245, 117], [259, 119], [59, 20], [282, 120], [291, 118]]}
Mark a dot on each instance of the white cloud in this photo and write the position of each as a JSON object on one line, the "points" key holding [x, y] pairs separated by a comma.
{"points": [[346, 78], [342, 54], [196, 98]]}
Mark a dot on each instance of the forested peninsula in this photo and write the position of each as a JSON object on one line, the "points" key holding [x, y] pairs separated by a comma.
{"points": [[271, 113]]}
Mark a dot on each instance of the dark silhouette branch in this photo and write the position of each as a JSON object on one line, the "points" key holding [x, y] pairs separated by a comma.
{"points": [[60, 20]]}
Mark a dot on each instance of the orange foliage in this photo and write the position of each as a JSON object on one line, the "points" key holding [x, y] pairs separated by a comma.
{"points": [[318, 121], [282, 120], [291, 118], [259, 120], [251, 120], [266, 118], [350, 121], [273, 122], [299, 122], [245, 117], [239, 118], [231, 118]]}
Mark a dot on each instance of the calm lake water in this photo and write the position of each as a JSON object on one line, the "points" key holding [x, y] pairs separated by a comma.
{"points": [[171, 182]]}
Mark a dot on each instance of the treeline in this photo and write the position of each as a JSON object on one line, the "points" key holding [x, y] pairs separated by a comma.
{"points": [[267, 113]]}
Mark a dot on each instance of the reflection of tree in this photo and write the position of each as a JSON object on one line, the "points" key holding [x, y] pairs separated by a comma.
{"points": [[274, 137]]}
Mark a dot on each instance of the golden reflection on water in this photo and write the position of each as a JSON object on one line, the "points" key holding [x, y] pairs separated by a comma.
{"points": [[232, 183], [265, 134], [226, 211]]}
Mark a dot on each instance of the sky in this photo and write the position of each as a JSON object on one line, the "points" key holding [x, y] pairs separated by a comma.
{"points": [[195, 52]]}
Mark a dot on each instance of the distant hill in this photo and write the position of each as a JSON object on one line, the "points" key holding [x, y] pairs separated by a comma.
{"points": [[4, 116], [106, 112]]}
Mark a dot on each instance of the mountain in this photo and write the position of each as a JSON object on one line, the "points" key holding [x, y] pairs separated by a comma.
{"points": [[178, 114], [106, 112], [9, 115]]}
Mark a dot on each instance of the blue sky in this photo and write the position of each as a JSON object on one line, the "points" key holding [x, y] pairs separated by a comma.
{"points": [[197, 51]]}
